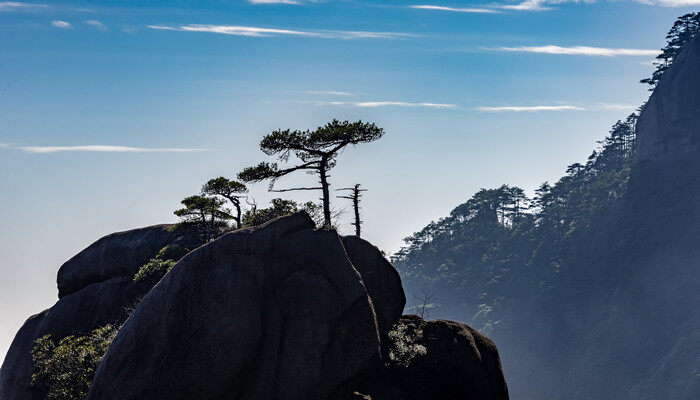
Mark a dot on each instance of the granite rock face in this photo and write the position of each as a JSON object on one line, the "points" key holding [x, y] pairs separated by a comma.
{"points": [[279, 311], [120, 254], [459, 363], [668, 129], [95, 289], [94, 306], [274, 312]]}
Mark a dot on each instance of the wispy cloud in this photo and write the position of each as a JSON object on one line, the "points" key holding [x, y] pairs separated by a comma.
{"points": [[523, 5], [616, 107], [530, 108], [14, 6], [672, 3], [373, 104], [581, 51], [295, 2], [528, 5], [97, 24], [105, 149], [61, 24], [454, 9], [253, 31], [327, 93]]}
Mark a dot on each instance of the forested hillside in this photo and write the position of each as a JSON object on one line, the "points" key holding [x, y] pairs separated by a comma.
{"points": [[588, 288]]}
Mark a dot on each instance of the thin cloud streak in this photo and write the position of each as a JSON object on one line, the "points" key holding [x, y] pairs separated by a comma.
{"points": [[252, 31], [453, 9], [675, 3], [581, 51], [97, 24], [104, 149], [61, 24], [327, 93], [530, 108], [374, 104], [293, 2], [15, 6]]}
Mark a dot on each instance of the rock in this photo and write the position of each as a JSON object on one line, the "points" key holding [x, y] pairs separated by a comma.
{"points": [[668, 129], [273, 312], [280, 311], [382, 281], [96, 305], [120, 254], [459, 363]]}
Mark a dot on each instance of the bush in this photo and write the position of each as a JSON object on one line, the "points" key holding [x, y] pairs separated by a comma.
{"points": [[64, 370], [161, 263], [404, 346]]}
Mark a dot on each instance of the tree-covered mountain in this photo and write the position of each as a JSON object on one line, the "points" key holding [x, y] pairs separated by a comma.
{"points": [[590, 287]]}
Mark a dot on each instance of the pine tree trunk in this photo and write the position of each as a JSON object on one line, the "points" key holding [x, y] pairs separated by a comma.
{"points": [[326, 195]]}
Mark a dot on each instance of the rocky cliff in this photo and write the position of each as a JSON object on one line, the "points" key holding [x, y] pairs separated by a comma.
{"points": [[668, 131], [281, 311]]}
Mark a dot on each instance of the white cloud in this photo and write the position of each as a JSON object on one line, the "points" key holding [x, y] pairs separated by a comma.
{"points": [[453, 9], [61, 24], [581, 50], [97, 24], [105, 149], [327, 93], [616, 107], [530, 108], [14, 6], [274, 2], [677, 3], [271, 32], [374, 104], [538, 5], [2, 145]]}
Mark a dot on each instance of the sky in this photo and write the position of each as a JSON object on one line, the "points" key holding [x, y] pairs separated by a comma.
{"points": [[111, 112]]}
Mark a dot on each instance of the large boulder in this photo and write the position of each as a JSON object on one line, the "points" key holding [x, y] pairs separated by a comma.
{"points": [[95, 288], [382, 281], [668, 129], [273, 312], [94, 306], [121, 254], [458, 363]]}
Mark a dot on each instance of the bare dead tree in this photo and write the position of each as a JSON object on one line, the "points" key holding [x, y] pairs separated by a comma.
{"points": [[355, 195], [425, 299]]}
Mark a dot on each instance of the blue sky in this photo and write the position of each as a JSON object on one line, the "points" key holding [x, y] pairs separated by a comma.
{"points": [[113, 111]]}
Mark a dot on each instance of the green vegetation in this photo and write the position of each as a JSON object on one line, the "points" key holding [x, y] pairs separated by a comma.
{"points": [[501, 246], [317, 150], [230, 190], [682, 32], [404, 346], [279, 207], [207, 213], [64, 370], [161, 263]]}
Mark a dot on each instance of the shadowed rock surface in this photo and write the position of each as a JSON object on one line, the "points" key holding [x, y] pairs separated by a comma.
{"points": [[280, 311], [274, 312], [120, 254], [78, 313], [459, 363], [95, 289], [669, 128], [380, 278]]}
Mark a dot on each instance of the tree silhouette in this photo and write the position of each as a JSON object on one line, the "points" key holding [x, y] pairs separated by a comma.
{"points": [[355, 195], [206, 212], [317, 150], [228, 189], [681, 33]]}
